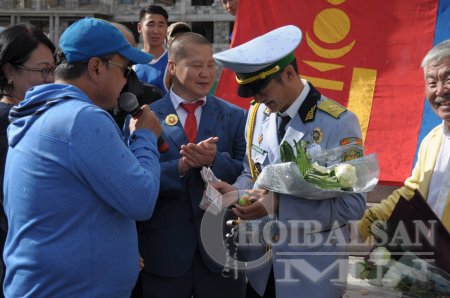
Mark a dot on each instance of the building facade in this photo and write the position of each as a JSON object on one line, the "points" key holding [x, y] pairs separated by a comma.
{"points": [[206, 17]]}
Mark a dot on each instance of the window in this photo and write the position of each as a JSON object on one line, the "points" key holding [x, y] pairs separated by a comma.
{"points": [[165, 2], [204, 28], [202, 2], [27, 3], [88, 2], [55, 3]]}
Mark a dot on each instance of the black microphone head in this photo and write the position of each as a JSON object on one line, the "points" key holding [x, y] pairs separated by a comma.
{"points": [[129, 103]]}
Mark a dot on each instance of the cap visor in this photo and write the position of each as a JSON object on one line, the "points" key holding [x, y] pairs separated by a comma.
{"points": [[249, 90], [136, 56]]}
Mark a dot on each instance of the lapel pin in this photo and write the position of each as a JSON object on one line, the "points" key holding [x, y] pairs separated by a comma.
{"points": [[171, 119]]}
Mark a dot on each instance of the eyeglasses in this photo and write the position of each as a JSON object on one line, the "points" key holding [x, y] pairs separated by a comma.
{"points": [[126, 69], [45, 72]]}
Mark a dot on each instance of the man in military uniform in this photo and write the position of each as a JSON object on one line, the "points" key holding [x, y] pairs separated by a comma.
{"points": [[308, 249]]}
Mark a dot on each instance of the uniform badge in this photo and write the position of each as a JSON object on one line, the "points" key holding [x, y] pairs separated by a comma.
{"points": [[267, 112], [310, 114], [317, 135], [351, 140], [352, 153], [354, 150], [260, 139], [171, 119]]}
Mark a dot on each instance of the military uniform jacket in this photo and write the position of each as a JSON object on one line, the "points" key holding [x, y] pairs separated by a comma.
{"points": [[306, 260]]}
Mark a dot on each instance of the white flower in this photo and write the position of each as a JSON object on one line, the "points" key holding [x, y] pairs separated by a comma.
{"points": [[380, 256], [320, 168], [346, 175]]}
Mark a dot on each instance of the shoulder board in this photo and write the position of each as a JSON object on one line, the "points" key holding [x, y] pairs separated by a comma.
{"points": [[331, 107]]}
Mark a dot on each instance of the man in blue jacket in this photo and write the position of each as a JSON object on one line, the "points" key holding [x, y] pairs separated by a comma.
{"points": [[73, 190], [201, 130]]}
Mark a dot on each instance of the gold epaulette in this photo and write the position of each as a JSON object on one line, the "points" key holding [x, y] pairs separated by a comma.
{"points": [[331, 107]]}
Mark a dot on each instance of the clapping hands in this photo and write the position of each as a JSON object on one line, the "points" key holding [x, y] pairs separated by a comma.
{"points": [[197, 155]]}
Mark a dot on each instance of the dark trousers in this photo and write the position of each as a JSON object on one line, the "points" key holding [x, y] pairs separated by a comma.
{"points": [[268, 293], [197, 282]]}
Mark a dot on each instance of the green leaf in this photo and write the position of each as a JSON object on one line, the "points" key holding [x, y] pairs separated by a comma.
{"points": [[303, 163], [286, 152]]}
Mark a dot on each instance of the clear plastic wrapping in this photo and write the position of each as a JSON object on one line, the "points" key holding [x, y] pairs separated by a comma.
{"points": [[285, 178]]}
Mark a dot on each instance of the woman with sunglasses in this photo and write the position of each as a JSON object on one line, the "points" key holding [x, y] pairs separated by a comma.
{"points": [[26, 60]]}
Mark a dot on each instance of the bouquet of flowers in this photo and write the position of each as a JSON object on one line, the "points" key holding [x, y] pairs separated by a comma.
{"points": [[411, 275], [411, 253], [318, 174]]}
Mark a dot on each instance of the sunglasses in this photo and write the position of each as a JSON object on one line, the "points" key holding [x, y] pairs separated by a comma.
{"points": [[125, 68], [45, 72]]}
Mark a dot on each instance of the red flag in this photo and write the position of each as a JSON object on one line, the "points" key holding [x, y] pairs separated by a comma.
{"points": [[364, 54]]}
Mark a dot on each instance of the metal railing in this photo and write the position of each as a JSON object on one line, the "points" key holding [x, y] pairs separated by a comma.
{"points": [[96, 6]]}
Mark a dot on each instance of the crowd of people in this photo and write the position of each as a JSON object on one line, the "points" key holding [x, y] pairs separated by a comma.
{"points": [[92, 208]]}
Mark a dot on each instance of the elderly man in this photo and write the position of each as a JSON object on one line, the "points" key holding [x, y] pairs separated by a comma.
{"points": [[73, 190], [304, 261], [431, 174]]}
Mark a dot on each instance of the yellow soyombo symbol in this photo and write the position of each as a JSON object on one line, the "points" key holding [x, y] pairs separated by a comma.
{"points": [[336, 2], [331, 25]]}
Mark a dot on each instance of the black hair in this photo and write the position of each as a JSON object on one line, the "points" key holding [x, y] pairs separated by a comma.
{"points": [[65, 70], [17, 42], [71, 71], [153, 9]]}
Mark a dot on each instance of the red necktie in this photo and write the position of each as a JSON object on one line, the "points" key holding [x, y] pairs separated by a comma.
{"points": [[190, 126]]}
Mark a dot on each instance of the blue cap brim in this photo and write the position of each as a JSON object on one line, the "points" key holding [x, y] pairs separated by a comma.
{"points": [[136, 56]]}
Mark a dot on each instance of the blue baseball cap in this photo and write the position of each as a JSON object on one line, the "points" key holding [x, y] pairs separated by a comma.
{"points": [[91, 37]]}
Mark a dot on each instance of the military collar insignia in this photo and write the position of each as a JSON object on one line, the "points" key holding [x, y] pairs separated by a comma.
{"points": [[307, 111], [267, 111], [311, 113]]}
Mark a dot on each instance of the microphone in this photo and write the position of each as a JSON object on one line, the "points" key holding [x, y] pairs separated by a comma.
{"points": [[129, 103]]}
